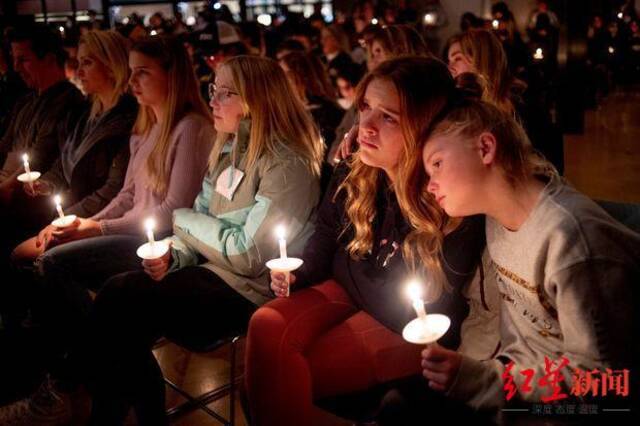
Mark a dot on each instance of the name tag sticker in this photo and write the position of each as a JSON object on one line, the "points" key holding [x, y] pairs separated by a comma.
{"points": [[226, 184]]}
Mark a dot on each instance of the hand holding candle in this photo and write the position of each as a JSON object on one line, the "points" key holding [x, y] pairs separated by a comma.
{"points": [[283, 264]]}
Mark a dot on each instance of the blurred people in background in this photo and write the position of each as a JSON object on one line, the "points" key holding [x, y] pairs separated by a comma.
{"points": [[335, 48]]}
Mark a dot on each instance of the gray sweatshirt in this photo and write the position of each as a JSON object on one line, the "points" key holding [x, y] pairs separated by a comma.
{"points": [[565, 282]]}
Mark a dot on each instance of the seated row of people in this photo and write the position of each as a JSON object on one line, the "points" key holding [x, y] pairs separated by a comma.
{"points": [[438, 175]]}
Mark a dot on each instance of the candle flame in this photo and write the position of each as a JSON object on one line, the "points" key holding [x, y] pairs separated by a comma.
{"points": [[57, 199], [495, 24], [414, 290], [280, 231], [25, 157], [149, 224]]}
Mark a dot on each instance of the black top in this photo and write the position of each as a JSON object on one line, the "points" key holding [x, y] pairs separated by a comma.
{"points": [[377, 283]]}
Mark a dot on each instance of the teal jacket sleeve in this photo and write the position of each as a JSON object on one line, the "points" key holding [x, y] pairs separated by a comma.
{"points": [[243, 240]]}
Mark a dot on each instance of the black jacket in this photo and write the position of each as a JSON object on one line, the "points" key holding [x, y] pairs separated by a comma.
{"points": [[377, 283], [97, 175]]}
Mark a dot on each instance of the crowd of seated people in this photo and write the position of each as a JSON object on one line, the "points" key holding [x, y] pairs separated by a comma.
{"points": [[404, 168]]}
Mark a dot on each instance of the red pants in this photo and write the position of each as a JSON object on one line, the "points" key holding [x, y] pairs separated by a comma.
{"points": [[313, 345]]}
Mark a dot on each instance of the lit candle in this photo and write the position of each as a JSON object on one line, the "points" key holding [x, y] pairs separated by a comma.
{"points": [[374, 21], [280, 232], [57, 199], [149, 224], [429, 19], [538, 54], [620, 15], [25, 159], [495, 24], [414, 289]]}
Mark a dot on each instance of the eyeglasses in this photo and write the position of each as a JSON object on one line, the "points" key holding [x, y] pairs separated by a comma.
{"points": [[220, 95]]}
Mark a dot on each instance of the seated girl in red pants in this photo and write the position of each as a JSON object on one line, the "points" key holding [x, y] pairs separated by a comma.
{"points": [[342, 336]]}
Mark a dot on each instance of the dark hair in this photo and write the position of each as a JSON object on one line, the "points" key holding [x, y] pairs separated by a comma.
{"points": [[351, 72], [309, 73], [42, 39], [291, 44]]}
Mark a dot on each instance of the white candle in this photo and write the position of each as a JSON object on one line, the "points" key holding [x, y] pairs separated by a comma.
{"points": [[57, 199], [414, 289], [149, 224], [25, 159], [280, 232], [538, 54]]}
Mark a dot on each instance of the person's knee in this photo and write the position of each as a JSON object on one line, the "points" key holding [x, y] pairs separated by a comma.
{"points": [[44, 264], [266, 323]]}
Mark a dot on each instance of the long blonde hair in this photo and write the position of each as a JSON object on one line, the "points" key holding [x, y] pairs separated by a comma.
{"points": [[278, 117], [183, 97], [424, 85], [490, 61], [111, 49]]}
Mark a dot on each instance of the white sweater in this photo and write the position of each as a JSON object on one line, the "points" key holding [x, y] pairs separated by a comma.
{"points": [[565, 279]]}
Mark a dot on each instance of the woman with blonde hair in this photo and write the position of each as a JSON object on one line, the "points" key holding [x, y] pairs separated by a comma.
{"points": [[170, 142], [564, 267], [263, 173], [92, 163], [343, 334], [479, 52], [93, 160]]}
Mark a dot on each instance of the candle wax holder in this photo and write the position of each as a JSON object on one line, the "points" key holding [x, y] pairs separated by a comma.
{"points": [[29, 177], [64, 221], [286, 265], [150, 251], [428, 330]]}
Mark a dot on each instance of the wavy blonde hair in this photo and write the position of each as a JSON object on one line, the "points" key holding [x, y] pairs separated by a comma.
{"points": [[278, 117], [111, 50], [183, 97], [490, 61], [424, 85]]}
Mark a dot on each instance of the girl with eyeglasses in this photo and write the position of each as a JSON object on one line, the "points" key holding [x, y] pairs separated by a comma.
{"points": [[263, 172]]}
